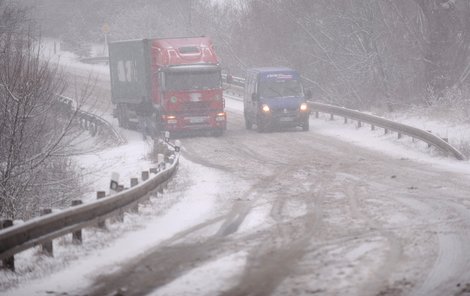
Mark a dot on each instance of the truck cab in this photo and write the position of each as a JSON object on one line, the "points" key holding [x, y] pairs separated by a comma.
{"points": [[274, 97]]}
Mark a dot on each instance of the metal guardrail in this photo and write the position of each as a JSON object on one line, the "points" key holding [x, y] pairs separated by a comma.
{"points": [[42, 229], [90, 121], [388, 125], [95, 60], [233, 80]]}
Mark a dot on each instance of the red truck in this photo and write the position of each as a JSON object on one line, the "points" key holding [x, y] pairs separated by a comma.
{"points": [[181, 77]]}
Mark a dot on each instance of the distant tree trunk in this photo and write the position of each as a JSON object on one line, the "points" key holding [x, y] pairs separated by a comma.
{"points": [[462, 61], [444, 38]]}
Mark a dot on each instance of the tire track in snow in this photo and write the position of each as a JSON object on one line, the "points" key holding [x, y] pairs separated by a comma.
{"points": [[453, 237]]}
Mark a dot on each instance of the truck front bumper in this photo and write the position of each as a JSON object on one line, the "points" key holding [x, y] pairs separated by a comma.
{"points": [[193, 122]]}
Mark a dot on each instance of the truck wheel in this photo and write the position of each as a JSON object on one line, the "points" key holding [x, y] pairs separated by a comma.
{"points": [[306, 125], [123, 119]]}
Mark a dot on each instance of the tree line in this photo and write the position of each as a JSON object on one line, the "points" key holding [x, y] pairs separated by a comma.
{"points": [[360, 53]]}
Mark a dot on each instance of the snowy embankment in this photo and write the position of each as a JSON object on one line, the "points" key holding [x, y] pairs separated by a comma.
{"points": [[190, 199]]}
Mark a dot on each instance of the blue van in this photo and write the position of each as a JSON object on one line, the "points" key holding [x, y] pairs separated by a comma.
{"points": [[274, 97]]}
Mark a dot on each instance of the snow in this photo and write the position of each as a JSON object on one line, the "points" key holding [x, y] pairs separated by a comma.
{"points": [[192, 200], [403, 148], [209, 279], [256, 219], [148, 230], [127, 160], [51, 50]]}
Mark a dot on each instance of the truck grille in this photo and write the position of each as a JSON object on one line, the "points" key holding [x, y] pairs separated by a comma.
{"points": [[191, 107]]}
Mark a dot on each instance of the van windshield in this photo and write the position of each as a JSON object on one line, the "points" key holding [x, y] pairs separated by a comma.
{"points": [[193, 80], [280, 88]]}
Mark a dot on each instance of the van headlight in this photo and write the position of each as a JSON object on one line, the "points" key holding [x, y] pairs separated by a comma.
{"points": [[303, 107], [265, 108]]}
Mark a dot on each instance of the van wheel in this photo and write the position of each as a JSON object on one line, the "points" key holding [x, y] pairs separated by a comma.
{"points": [[306, 125], [248, 124], [260, 126]]}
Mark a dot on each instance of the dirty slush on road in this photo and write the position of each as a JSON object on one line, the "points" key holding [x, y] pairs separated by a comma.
{"points": [[335, 220]]}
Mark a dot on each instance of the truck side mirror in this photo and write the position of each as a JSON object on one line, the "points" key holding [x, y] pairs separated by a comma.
{"points": [[254, 97], [308, 94]]}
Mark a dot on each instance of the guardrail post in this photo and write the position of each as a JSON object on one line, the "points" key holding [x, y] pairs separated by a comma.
{"points": [[429, 144], [135, 207], [93, 129], [385, 131], [134, 182], [372, 127], [332, 117], [359, 124], [9, 262], [399, 135], [47, 247], [145, 175], [77, 235], [100, 195], [345, 120]]}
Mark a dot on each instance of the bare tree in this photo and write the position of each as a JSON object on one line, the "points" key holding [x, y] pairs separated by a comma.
{"points": [[445, 39], [354, 53], [34, 136]]}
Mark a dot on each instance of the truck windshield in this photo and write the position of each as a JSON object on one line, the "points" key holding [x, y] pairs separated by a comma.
{"points": [[280, 88], [193, 80]]}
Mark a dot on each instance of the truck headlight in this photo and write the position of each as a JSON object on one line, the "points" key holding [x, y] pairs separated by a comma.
{"points": [[170, 119], [220, 116], [303, 107], [265, 108]]}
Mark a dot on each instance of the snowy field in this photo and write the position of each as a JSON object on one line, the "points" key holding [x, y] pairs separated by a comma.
{"points": [[190, 199]]}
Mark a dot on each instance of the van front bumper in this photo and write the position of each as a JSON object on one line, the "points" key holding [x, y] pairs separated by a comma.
{"points": [[284, 119]]}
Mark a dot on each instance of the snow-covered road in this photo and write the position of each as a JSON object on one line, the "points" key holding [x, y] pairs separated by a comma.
{"points": [[333, 211]]}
